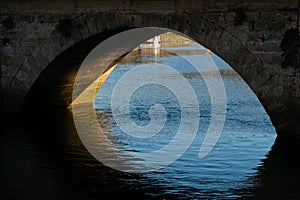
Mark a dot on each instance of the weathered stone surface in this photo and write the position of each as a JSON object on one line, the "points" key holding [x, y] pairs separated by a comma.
{"points": [[251, 48], [9, 71]]}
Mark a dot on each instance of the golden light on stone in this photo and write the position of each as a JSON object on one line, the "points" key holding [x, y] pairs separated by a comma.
{"points": [[89, 94]]}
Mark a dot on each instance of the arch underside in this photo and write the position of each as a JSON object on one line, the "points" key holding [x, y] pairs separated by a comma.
{"points": [[54, 87], [83, 67]]}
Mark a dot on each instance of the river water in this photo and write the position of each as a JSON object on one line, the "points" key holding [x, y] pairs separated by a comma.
{"points": [[43, 157]]}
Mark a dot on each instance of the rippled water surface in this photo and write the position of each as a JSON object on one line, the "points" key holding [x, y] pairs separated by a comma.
{"points": [[246, 138], [42, 157]]}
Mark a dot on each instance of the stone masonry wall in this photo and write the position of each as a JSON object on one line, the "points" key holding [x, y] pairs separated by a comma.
{"points": [[250, 44]]}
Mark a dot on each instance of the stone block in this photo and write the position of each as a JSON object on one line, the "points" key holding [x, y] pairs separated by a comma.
{"points": [[111, 22], [22, 77], [278, 91], [92, 26], [27, 79], [9, 71], [260, 80], [8, 50], [214, 41], [134, 19], [49, 50], [81, 27], [100, 22], [40, 58], [33, 64]]}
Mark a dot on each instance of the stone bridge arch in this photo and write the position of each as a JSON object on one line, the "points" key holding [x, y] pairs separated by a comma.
{"points": [[45, 78]]}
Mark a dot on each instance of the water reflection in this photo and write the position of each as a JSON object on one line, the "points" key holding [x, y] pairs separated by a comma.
{"points": [[247, 136], [278, 176], [151, 54], [43, 158]]}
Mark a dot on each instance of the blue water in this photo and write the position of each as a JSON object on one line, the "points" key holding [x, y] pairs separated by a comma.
{"points": [[246, 138], [43, 157]]}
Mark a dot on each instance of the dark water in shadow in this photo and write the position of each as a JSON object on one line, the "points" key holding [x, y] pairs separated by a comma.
{"points": [[278, 177], [43, 158]]}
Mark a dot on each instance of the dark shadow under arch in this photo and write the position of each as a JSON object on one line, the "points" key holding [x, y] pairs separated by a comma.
{"points": [[54, 86]]}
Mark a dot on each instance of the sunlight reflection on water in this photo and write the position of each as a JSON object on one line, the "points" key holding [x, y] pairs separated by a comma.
{"points": [[246, 138]]}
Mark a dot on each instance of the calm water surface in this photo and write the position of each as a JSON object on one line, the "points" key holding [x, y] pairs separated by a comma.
{"points": [[42, 156]]}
